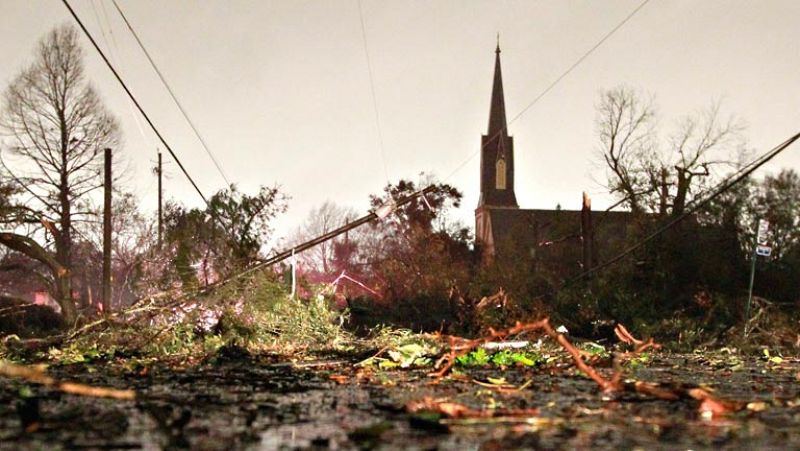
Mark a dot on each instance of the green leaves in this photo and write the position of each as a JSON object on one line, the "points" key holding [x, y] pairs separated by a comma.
{"points": [[409, 355], [480, 357], [412, 354]]}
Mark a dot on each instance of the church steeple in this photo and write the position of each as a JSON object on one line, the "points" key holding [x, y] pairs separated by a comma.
{"points": [[497, 111], [497, 150]]}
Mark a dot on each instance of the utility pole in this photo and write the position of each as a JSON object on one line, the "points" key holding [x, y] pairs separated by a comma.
{"points": [[107, 232], [159, 172]]}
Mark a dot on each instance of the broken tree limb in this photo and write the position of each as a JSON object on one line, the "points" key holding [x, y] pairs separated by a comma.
{"points": [[456, 410], [37, 376]]}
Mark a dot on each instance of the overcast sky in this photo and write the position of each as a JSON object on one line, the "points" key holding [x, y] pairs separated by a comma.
{"points": [[280, 89]]}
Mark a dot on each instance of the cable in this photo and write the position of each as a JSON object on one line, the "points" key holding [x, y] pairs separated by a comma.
{"points": [[172, 94], [372, 90], [135, 102], [117, 62], [552, 85]]}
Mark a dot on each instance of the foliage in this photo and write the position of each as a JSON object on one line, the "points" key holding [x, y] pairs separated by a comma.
{"points": [[255, 314], [416, 254], [478, 357], [504, 358], [207, 244], [403, 348]]}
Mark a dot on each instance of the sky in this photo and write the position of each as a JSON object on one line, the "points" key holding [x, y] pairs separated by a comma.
{"points": [[280, 90]]}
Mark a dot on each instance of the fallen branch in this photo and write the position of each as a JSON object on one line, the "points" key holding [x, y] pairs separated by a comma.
{"points": [[455, 410], [709, 404], [37, 376]]}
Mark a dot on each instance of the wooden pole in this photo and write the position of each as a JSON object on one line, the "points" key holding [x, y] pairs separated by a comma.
{"points": [[107, 232]]}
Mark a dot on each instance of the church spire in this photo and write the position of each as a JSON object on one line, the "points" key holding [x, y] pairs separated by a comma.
{"points": [[497, 151], [497, 113]]}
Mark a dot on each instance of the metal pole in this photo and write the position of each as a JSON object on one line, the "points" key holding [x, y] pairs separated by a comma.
{"points": [[160, 200], [107, 232], [750, 291]]}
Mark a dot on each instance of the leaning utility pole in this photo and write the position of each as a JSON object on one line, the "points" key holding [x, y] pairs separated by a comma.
{"points": [[160, 200], [381, 212], [107, 232]]}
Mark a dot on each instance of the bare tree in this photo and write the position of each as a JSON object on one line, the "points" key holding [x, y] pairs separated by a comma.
{"points": [[57, 126], [320, 221], [700, 144], [661, 176], [626, 125]]}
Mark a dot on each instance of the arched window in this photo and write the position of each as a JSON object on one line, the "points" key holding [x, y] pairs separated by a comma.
{"points": [[500, 174]]}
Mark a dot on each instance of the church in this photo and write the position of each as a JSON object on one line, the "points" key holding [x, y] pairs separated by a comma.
{"points": [[562, 242]]}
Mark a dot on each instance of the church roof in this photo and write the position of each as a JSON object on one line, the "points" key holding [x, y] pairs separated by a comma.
{"points": [[530, 228]]}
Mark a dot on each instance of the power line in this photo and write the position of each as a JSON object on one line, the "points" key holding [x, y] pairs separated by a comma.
{"points": [[117, 62], [552, 85], [172, 94], [372, 90], [580, 60], [135, 102]]}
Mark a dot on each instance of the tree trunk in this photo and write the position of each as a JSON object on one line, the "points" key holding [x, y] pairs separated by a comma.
{"points": [[61, 275], [587, 232], [64, 239], [684, 181]]}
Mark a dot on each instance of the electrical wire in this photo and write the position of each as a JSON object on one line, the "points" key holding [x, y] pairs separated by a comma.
{"points": [[551, 86], [372, 90], [135, 102], [172, 94], [117, 62]]}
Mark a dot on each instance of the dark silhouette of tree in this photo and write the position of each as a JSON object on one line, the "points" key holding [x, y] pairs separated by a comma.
{"points": [[777, 199], [57, 127], [662, 175]]}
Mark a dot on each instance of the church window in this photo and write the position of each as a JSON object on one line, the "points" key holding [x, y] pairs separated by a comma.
{"points": [[500, 174]]}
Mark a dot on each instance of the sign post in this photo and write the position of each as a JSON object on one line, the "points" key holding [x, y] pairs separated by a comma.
{"points": [[761, 248]]}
